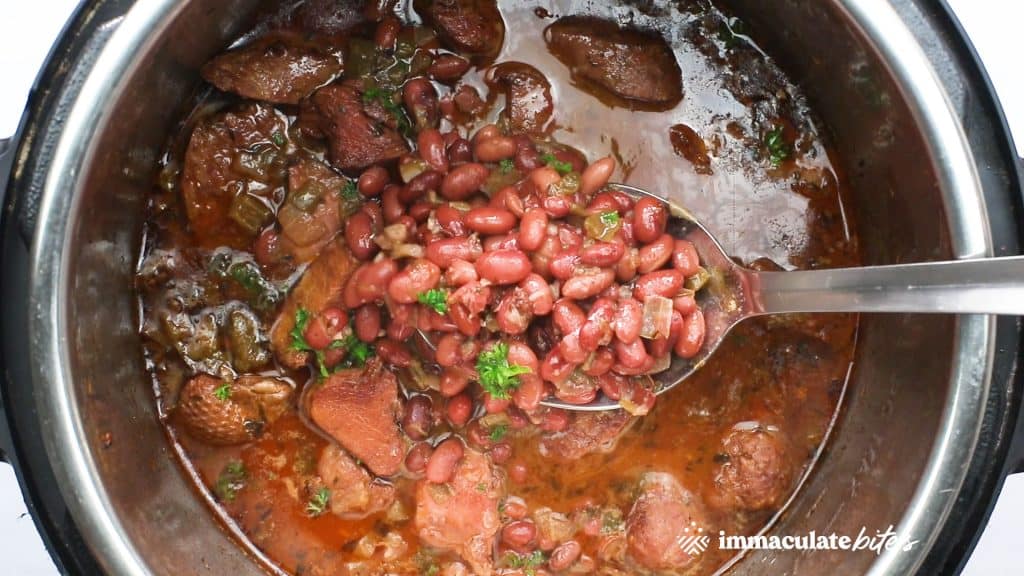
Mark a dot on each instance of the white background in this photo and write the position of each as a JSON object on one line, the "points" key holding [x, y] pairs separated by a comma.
{"points": [[28, 28]]}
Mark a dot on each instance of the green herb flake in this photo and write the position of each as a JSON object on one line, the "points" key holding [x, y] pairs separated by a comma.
{"points": [[527, 562], [496, 375], [298, 333], [436, 298], [278, 138], [247, 275], [506, 166], [223, 392], [498, 432], [350, 192], [387, 101], [231, 480], [358, 352], [481, 487], [778, 149], [563, 168], [317, 505]]}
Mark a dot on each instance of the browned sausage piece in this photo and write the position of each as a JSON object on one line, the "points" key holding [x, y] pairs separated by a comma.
{"points": [[224, 413], [528, 95], [354, 138], [662, 516], [354, 493], [281, 67], [359, 408], [471, 26], [588, 432], [462, 514], [753, 473], [628, 63]]}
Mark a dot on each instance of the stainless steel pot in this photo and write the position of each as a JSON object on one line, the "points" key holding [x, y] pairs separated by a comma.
{"points": [[923, 441]]}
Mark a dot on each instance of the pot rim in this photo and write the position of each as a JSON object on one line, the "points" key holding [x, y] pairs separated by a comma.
{"points": [[131, 36]]}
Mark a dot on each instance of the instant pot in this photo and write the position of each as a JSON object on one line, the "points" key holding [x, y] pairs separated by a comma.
{"points": [[930, 425]]}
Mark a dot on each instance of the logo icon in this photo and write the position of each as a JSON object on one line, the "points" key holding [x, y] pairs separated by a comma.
{"points": [[694, 544]]}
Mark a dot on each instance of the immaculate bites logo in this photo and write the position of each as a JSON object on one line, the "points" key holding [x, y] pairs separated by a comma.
{"points": [[695, 542]]}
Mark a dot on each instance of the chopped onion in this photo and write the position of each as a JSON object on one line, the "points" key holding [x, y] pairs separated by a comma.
{"points": [[408, 251], [657, 318]]}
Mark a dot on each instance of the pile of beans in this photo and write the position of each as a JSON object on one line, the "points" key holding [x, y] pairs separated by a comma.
{"points": [[528, 249]]}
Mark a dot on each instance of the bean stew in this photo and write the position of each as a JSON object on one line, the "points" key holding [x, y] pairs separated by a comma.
{"points": [[381, 238]]}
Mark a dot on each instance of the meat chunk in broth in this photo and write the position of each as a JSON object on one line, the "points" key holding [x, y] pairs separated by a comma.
{"points": [[359, 408], [355, 139], [282, 68], [753, 472], [319, 287], [587, 433], [354, 493], [232, 165], [662, 516], [224, 413], [527, 93], [313, 212], [628, 63], [461, 515]]}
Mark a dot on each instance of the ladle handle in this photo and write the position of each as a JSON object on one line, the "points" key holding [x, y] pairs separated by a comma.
{"points": [[985, 286]]}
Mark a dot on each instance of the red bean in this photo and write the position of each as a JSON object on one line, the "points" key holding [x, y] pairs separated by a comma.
{"points": [[464, 180], [460, 151], [521, 354], [685, 304], [533, 228], [495, 405], [518, 472], [554, 421], [503, 266], [588, 285], [530, 392], [495, 149], [448, 67], [602, 254], [394, 353], [625, 270], [567, 316], [448, 353], [513, 313], [685, 258], [595, 176], [367, 322], [632, 355], [453, 381], [597, 331], [443, 252], [420, 185], [316, 334], [571, 237], [460, 409], [501, 242], [570, 349], [369, 283], [451, 220], [665, 283], [501, 452], [401, 328], [603, 202], [600, 362], [420, 100], [386, 33], [557, 206], [649, 219], [417, 457], [432, 149], [460, 273], [543, 178], [692, 338], [628, 320], [391, 206], [418, 417], [564, 556], [442, 463], [555, 368], [372, 181], [419, 276], [488, 220], [655, 255], [538, 293], [564, 264], [519, 535], [527, 157], [359, 236], [509, 199]]}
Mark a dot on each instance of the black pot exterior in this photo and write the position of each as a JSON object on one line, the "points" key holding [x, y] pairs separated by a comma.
{"points": [[998, 452]]}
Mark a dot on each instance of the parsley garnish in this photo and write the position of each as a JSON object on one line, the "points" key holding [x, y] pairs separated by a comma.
{"points": [[298, 332], [778, 148], [609, 218], [497, 376], [223, 392], [230, 481], [436, 298], [278, 138], [506, 166], [318, 503], [358, 351], [387, 100], [498, 432], [350, 192], [562, 167], [528, 562]]}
